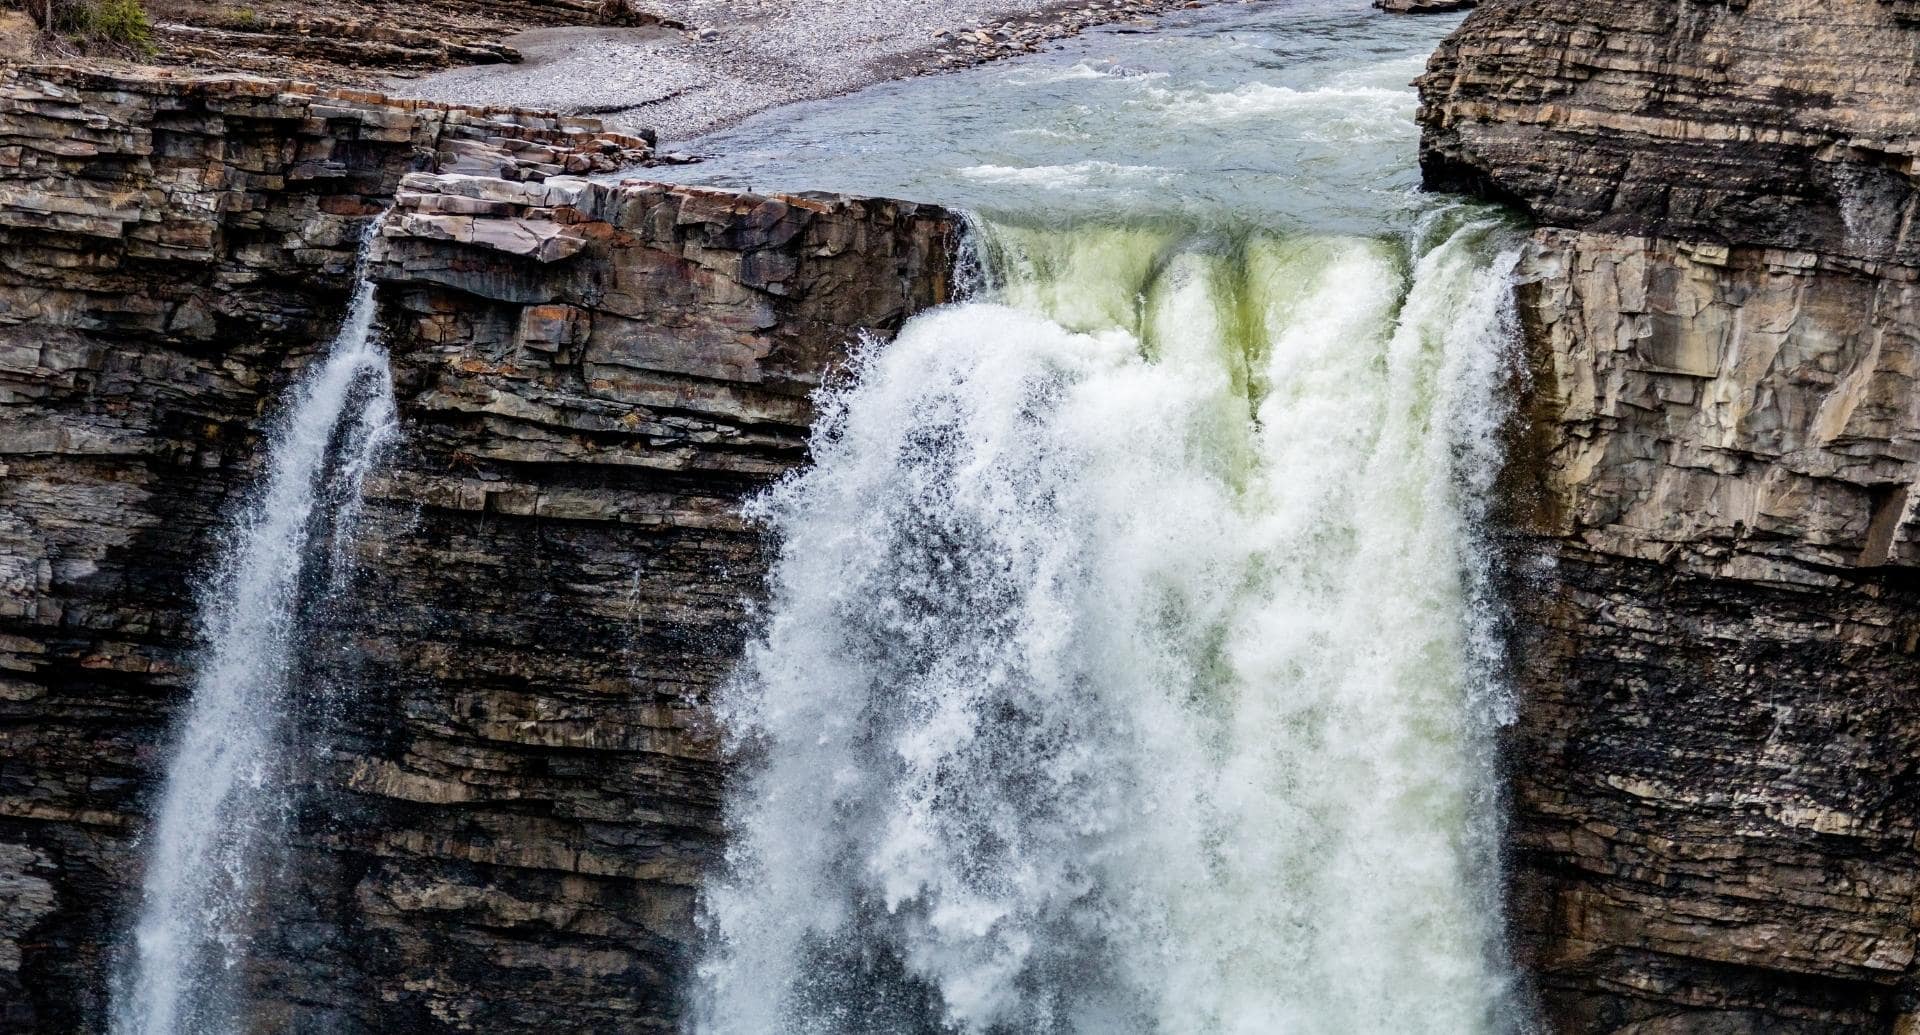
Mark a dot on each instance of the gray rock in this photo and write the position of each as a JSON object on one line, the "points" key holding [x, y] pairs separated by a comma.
{"points": [[1713, 502]]}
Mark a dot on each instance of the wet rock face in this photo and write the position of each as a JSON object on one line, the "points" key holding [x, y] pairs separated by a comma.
{"points": [[1712, 500], [1712, 782], [556, 572], [508, 790], [169, 251]]}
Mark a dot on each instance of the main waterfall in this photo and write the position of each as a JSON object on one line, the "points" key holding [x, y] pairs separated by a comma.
{"points": [[1128, 665], [225, 796]]}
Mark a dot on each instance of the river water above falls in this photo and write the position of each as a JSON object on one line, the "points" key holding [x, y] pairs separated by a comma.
{"points": [[1293, 115], [1129, 664]]}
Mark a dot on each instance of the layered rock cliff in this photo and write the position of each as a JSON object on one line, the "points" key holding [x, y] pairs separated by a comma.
{"points": [[508, 790], [1713, 496]]}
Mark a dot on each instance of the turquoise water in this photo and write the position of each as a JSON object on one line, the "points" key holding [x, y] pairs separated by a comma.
{"points": [[1128, 666], [1283, 115]]}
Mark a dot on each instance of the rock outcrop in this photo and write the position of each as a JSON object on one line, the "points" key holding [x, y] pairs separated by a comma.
{"points": [[357, 44], [508, 786], [555, 573], [1755, 123], [1713, 501]]}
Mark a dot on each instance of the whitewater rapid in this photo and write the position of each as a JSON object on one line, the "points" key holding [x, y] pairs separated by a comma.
{"points": [[1129, 665], [225, 800]]}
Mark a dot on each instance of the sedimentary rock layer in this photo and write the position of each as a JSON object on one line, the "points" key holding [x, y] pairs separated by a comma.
{"points": [[1747, 412], [1711, 499], [1717, 638], [1775, 122], [556, 572], [508, 789]]}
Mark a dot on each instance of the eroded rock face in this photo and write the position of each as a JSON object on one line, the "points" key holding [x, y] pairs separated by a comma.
{"points": [[1749, 413], [508, 790], [1769, 122], [1717, 645], [556, 572], [1716, 620]]}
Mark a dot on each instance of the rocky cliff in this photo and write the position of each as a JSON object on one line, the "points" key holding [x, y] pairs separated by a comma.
{"points": [[1716, 614], [508, 787]]}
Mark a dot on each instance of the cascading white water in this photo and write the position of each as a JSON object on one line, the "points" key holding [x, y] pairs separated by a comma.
{"points": [[1127, 666], [224, 798]]}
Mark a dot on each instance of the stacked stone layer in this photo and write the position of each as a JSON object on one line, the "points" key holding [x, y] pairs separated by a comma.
{"points": [[556, 573], [1713, 494], [1751, 122]]}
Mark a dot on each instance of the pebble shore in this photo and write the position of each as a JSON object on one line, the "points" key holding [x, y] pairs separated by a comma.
{"points": [[714, 62]]}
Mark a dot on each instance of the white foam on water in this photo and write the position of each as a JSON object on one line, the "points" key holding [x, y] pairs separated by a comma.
{"points": [[1074, 175], [1082, 70], [1343, 112]]}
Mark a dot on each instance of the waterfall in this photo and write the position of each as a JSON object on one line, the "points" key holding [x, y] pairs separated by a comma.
{"points": [[225, 800], [1129, 665]]}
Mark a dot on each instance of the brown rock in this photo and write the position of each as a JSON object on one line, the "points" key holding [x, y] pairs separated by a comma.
{"points": [[511, 799], [1786, 124], [1715, 634]]}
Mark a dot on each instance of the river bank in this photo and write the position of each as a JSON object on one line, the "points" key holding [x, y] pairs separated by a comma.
{"points": [[677, 67], [724, 60]]}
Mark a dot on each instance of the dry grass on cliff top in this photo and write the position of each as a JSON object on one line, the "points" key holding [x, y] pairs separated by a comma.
{"points": [[36, 29]]}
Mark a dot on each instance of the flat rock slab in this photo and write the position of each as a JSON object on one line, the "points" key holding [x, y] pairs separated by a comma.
{"points": [[1422, 6]]}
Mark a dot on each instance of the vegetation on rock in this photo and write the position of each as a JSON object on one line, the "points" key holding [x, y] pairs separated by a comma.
{"points": [[120, 25]]}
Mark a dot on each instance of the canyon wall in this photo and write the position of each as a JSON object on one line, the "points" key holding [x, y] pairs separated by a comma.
{"points": [[508, 789], [1717, 620]]}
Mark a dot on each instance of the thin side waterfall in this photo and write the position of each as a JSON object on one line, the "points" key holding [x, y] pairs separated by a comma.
{"points": [[1129, 664], [225, 798]]}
